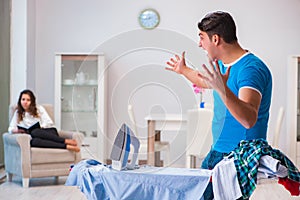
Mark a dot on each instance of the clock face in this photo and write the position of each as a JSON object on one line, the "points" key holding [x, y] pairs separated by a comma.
{"points": [[149, 19]]}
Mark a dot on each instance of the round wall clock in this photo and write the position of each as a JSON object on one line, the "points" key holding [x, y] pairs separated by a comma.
{"points": [[149, 18]]}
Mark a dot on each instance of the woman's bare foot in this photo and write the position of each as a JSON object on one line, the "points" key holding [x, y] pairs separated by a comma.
{"points": [[71, 142], [73, 148]]}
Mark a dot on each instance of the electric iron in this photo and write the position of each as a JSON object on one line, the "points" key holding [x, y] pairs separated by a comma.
{"points": [[121, 149]]}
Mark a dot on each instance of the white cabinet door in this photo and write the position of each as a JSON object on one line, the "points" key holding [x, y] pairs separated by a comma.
{"points": [[293, 108], [80, 99]]}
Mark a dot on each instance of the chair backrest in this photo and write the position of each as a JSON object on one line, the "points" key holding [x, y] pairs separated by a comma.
{"points": [[278, 126], [132, 119], [199, 136], [50, 110], [11, 111]]}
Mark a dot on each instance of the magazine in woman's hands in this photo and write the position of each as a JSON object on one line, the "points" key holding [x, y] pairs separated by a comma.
{"points": [[29, 129]]}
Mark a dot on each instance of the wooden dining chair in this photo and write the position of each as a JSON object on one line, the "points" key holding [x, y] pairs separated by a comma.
{"points": [[276, 136], [158, 145]]}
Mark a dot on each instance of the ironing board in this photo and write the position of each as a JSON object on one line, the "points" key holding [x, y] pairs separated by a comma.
{"points": [[98, 181]]}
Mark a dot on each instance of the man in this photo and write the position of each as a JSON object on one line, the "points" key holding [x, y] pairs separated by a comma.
{"points": [[242, 86]]}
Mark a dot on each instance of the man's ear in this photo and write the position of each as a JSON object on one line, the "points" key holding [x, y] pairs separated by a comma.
{"points": [[216, 39]]}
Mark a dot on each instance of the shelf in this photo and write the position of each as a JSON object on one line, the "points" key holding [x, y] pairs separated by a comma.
{"points": [[79, 85], [80, 57], [79, 111]]}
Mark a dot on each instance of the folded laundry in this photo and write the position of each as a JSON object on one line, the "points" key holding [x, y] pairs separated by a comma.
{"points": [[270, 167], [225, 182], [246, 159]]}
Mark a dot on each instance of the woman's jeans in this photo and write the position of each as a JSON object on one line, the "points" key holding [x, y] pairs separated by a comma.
{"points": [[46, 138]]}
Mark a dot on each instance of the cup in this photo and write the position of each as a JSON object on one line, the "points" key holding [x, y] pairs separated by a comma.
{"points": [[81, 78]]}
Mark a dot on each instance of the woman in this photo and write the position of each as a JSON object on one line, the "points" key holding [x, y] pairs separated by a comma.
{"points": [[28, 114]]}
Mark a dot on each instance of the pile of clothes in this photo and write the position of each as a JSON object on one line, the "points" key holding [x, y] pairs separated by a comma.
{"points": [[237, 174]]}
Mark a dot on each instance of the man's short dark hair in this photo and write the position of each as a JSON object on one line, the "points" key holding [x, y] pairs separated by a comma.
{"points": [[220, 23]]}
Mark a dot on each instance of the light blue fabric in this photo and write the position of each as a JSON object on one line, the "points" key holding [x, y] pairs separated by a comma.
{"points": [[251, 72], [97, 181]]}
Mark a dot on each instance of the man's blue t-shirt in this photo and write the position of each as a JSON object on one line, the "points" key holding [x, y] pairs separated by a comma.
{"points": [[249, 71]]}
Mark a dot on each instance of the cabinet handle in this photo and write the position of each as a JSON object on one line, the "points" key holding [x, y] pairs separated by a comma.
{"points": [[85, 145]]}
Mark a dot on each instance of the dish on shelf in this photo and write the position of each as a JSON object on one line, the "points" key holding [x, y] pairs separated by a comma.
{"points": [[68, 81], [92, 82]]}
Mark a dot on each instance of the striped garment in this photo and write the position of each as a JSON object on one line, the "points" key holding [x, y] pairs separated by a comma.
{"points": [[246, 160]]}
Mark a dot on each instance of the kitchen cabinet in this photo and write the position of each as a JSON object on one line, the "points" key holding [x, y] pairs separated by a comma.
{"points": [[80, 99]]}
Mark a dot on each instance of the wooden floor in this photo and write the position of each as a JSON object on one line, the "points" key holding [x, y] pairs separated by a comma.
{"points": [[47, 187], [39, 189]]}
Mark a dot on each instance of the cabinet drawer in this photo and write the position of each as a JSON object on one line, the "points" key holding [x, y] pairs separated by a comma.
{"points": [[86, 153], [90, 143], [89, 147]]}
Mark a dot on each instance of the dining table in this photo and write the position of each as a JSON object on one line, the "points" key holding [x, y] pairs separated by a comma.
{"points": [[156, 124]]}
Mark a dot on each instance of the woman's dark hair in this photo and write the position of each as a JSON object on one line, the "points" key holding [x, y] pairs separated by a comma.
{"points": [[220, 23], [32, 107]]}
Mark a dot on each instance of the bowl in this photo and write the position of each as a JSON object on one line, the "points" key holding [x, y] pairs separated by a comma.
{"points": [[68, 81]]}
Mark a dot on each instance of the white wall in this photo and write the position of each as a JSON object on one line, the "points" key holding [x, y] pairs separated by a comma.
{"points": [[269, 29], [18, 72], [31, 44]]}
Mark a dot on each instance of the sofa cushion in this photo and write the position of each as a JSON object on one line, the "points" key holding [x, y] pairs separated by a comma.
{"points": [[47, 155]]}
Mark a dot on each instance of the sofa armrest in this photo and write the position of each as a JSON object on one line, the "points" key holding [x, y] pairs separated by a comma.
{"points": [[72, 135], [17, 154], [76, 136]]}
